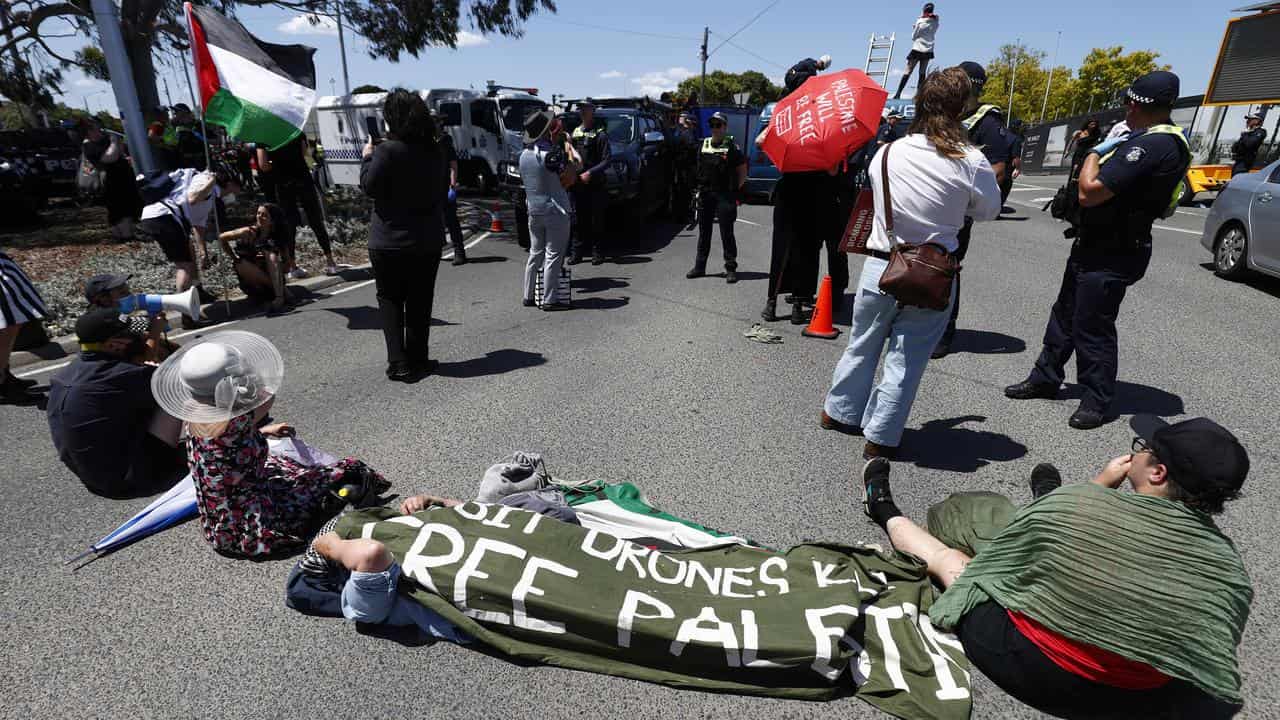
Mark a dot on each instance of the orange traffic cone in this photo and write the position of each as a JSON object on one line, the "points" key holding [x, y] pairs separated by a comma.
{"points": [[820, 324], [496, 225]]}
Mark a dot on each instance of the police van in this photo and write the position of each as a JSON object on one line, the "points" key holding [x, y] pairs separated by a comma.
{"points": [[485, 126]]}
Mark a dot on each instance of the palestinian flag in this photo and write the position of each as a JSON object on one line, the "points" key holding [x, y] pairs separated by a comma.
{"points": [[260, 92]]}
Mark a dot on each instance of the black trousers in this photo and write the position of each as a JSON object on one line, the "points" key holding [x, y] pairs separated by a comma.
{"points": [[449, 218], [1006, 186], [589, 203], [963, 236], [1240, 166], [1083, 321], [804, 203], [722, 208], [302, 192], [996, 647], [406, 286]]}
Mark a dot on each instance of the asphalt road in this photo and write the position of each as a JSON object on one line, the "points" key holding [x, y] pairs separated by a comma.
{"points": [[649, 380]]}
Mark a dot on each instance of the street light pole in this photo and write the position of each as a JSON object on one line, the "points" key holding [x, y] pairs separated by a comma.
{"points": [[1045, 103], [702, 86], [1013, 74], [342, 49], [107, 17]]}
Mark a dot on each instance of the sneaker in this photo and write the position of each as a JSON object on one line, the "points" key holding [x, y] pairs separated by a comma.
{"points": [[731, 276], [1083, 419], [313, 563], [1027, 390], [1045, 478], [528, 303], [597, 259], [399, 372], [875, 484], [556, 306], [696, 272], [829, 423], [298, 273]]}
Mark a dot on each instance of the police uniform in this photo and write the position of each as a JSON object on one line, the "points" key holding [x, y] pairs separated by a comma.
{"points": [[1245, 150], [449, 209], [718, 164], [1110, 253], [986, 132], [590, 198], [1015, 151]]}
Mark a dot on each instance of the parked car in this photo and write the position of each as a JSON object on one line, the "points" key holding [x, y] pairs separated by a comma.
{"points": [[1243, 227], [762, 174], [638, 177]]}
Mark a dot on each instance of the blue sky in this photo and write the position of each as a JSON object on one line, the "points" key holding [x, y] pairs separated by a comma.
{"points": [[558, 56]]}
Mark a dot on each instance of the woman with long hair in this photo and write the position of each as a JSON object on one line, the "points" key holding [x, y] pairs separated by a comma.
{"points": [[1082, 140], [404, 175], [259, 255], [936, 178]]}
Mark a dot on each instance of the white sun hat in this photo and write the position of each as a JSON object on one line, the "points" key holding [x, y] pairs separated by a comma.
{"points": [[223, 376]]}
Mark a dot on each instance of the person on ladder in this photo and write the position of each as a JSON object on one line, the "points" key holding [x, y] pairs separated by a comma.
{"points": [[922, 35]]}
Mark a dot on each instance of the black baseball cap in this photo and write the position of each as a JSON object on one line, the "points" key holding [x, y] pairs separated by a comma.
{"points": [[1159, 87], [99, 284], [1201, 455], [100, 325], [977, 75]]}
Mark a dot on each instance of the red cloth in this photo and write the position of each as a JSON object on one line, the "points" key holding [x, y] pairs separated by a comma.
{"points": [[1089, 661]]}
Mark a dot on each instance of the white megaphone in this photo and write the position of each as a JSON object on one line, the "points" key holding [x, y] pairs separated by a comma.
{"points": [[187, 303]]}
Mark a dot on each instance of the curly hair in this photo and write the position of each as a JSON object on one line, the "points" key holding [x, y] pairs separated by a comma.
{"points": [[407, 116], [939, 104]]}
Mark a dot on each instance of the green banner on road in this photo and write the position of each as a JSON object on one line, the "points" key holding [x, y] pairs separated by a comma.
{"points": [[814, 622]]}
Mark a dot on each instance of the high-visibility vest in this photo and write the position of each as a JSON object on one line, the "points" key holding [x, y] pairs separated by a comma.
{"points": [[1165, 129], [972, 121]]}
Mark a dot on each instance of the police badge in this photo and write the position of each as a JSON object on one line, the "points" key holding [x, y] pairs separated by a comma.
{"points": [[1135, 154]]}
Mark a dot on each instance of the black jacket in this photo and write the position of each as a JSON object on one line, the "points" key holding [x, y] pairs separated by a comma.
{"points": [[407, 184]]}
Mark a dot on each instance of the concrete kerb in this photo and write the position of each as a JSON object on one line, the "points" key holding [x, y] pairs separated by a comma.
{"points": [[68, 345]]}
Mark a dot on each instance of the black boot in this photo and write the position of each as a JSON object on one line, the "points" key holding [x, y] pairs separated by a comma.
{"points": [[770, 312], [14, 394], [798, 314], [696, 272], [731, 276], [1045, 478]]}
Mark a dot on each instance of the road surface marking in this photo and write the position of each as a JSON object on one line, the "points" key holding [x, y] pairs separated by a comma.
{"points": [[1166, 227], [1043, 199], [748, 222]]}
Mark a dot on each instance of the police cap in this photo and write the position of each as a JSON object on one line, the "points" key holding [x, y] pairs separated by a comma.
{"points": [[977, 75], [717, 117], [1159, 87], [100, 325]]}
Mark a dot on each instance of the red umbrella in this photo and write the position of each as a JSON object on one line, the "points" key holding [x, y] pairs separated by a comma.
{"points": [[820, 124]]}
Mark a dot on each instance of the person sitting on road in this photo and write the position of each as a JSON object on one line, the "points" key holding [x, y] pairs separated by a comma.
{"points": [[106, 291], [251, 503], [260, 253], [936, 179], [1091, 602], [105, 425], [804, 70]]}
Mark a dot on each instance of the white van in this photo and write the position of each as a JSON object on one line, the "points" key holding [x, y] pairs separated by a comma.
{"points": [[485, 126]]}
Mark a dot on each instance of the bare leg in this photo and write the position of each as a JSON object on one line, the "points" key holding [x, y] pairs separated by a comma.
{"points": [[7, 337], [253, 276], [357, 555], [276, 270], [185, 275], [945, 564]]}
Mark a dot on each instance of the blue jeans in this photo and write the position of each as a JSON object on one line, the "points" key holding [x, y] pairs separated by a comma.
{"points": [[911, 333], [373, 598]]}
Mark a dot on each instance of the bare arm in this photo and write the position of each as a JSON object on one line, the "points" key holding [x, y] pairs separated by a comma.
{"points": [[264, 162], [1092, 191]]}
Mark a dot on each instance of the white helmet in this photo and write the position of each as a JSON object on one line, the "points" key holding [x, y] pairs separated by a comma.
{"points": [[824, 62]]}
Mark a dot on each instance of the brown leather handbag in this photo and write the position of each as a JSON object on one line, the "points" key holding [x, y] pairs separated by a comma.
{"points": [[919, 275]]}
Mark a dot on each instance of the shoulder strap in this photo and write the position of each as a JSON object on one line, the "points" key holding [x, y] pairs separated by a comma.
{"points": [[887, 196]]}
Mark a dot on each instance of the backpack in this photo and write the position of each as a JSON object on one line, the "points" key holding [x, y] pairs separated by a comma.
{"points": [[156, 186]]}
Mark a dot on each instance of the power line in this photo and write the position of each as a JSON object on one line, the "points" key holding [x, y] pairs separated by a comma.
{"points": [[622, 30], [744, 27], [756, 55]]}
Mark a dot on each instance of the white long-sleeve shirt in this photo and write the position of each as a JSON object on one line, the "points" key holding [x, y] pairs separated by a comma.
{"points": [[923, 32], [932, 194]]}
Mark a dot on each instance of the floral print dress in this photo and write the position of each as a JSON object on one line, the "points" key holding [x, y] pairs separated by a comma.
{"points": [[254, 503]]}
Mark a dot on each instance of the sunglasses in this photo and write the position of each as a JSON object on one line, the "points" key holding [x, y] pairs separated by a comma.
{"points": [[716, 124], [1140, 446]]}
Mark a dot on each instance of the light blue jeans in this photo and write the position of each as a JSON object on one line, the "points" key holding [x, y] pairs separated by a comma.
{"points": [[548, 241], [911, 334]]}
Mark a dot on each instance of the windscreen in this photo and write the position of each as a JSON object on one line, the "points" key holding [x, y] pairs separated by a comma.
{"points": [[514, 112], [621, 128]]}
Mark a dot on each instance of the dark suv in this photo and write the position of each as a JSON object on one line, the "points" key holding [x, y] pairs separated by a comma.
{"points": [[638, 176]]}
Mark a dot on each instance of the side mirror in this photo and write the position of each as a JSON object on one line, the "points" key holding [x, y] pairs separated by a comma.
{"points": [[653, 137]]}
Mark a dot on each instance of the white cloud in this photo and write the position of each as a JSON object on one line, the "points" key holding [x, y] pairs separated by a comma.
{"points": [[84, 81], [659, 81], [611, 74], [466, 38], [896, 72], [301, 25]]}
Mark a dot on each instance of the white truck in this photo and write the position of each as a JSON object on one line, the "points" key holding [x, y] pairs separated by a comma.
{"points": [[485, 126]]}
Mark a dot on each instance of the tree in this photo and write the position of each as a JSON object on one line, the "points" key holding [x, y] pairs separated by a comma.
{"points": [[367, 89], [1104, 75], [152, 28], [1029, 80], [722, 86]]}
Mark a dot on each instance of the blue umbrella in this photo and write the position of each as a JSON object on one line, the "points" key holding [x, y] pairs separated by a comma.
{"points": [[171, 508]]}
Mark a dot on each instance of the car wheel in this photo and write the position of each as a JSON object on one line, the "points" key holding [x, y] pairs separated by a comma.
{"points": [[1188, 195], [1230, 254]]}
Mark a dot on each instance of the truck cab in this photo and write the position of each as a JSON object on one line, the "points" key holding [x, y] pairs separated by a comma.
{"points": [[486, 129]]}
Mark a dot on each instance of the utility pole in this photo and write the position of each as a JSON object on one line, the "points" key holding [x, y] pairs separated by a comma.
{"points": [[107, 17], [342, 49], [702, 86], [1048, 84], [1013, 74]]}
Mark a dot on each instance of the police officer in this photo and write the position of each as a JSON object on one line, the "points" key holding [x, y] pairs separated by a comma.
{"points": [[722, 171], [449, 209], [1245, 150], [1125, 184], [1015, 161], [985, 125], [804, 70], [186, 142], [685, 145], [891, 129], [590, 196]]}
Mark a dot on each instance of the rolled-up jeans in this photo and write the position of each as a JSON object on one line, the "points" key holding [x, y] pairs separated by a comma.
{"points": [[548, 241], [910, 333], [369, 597]]}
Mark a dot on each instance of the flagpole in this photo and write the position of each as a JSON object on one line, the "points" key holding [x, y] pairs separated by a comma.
{"points": [[208, 163]]}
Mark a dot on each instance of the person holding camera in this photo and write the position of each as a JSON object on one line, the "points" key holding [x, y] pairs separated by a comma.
{"points": [[935, 178], [259, 254], [548, 166], [405, 176]]}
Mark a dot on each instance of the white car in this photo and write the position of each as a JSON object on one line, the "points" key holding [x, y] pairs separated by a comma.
{"points": [[1243, 227]]}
